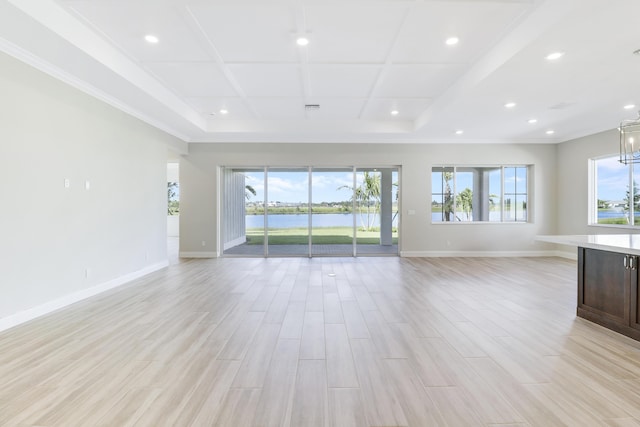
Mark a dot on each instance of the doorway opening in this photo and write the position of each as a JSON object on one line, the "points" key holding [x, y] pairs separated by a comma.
{"points": [[173, 211]]}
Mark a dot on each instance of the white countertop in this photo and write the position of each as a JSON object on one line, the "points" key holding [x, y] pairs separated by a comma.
{"points": [[623, 243]]}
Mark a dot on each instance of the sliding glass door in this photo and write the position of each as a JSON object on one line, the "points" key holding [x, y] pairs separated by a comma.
{"points": [[376, 209], [332, 212], [287, 208], [305, 211]]}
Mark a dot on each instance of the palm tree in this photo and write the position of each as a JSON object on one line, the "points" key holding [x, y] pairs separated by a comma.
{"points": [[447, 207], [464, 200], [173, 205], [248, 191], [632, 199], [367, 195]]}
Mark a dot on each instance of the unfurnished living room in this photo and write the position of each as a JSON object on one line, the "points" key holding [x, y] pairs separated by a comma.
{"points": [[320, 213]]}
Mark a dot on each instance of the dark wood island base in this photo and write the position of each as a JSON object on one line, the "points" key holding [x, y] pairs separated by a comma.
{"points": [[608, 290]]}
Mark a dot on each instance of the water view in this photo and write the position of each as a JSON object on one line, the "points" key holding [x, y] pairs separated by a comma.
{"points": [[301, 220], [340, 199], [611, 213]]}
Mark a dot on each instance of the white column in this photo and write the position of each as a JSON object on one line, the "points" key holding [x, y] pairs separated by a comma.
{"points": [[386, 207]]}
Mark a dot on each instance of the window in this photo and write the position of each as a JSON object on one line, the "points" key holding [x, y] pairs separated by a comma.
{"points": [[173, 198], [479, 193], [611, 195]]}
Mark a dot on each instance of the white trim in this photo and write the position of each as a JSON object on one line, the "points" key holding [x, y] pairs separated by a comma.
{"points": [[51, 306], [480, 254], [618, 226], [199, 255]]}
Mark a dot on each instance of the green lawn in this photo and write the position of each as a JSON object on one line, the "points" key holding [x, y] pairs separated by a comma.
{"points": [[321, 236], [617, 220]]}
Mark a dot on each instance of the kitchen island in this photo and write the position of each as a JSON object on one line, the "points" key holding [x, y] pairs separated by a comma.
{"points": [[608, 272]]}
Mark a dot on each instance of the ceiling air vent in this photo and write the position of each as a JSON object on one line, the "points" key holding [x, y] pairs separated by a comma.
{"points": [[561, 105], [310, 107]]}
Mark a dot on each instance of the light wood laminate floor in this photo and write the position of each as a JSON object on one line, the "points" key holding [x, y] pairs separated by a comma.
{"points": [[325, 342]]}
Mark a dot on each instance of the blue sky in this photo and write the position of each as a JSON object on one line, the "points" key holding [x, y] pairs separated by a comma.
{"points": [[613, 179], [465, 180], [293, 187]]}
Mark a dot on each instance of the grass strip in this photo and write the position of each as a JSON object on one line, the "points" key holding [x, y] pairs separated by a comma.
{"points": [[320, 236]]}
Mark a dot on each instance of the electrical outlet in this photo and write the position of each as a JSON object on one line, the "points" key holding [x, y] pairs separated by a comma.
{"points": [[87, 272], [67, 183], [204, 243]]}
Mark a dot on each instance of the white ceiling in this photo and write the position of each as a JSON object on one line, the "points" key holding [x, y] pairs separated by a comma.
{"points": [[365, 58]]}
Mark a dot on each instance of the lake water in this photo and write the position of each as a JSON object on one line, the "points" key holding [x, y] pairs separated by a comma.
{"points": [[346, 220], [617, 213], [301, 220]]}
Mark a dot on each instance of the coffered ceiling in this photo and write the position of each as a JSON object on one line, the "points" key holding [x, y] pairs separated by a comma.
{"points": [[372, 71]]}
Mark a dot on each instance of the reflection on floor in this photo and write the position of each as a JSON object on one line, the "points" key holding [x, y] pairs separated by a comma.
{"points": [[317, 250]]}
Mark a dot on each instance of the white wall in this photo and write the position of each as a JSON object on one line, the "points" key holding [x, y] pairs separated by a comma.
{"points": [[573, 188], [52, 236], [173, 225], [173, 171], [200, 204]]}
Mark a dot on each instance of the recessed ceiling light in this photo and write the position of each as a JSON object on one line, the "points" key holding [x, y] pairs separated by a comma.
{"points": [[150, 38], [551, 132], [629, 106], [452, 41], [459, 132], [395, 112], [224, 111], [532, 121], [555, 55], [302, 41], [510, 105]]}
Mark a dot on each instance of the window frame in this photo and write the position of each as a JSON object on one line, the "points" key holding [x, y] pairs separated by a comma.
{"points": [[592, 200], [501, 167]]}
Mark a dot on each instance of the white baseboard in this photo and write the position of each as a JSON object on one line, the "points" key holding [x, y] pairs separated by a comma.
{"points": [[199, 255], [478, 254], [46, 308]]}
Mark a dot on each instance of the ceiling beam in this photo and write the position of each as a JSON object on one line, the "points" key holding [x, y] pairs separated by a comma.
{"points": [[527, 28], [58, 20]]}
